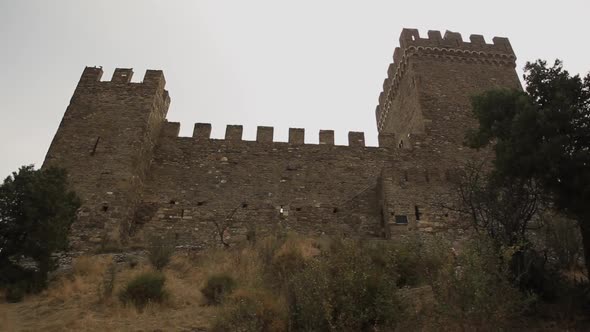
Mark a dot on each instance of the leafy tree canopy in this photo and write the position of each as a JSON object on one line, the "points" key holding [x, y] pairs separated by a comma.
{"points": [[36, 211], [542, 134]]}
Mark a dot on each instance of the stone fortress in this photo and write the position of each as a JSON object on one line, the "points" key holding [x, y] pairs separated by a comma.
{"points": [[137, 178]]}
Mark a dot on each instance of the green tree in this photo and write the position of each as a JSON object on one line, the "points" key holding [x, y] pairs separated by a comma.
{"points": [[542, 134], [36, 211], [501, 208]]}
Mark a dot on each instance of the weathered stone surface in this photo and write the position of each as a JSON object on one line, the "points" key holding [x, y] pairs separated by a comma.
{"points": [[137, 178]]}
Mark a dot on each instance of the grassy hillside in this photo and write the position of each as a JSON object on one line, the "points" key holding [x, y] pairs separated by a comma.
{"points": [[289, 283]]}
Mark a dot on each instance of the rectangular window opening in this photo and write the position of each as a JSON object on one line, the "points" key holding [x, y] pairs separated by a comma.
{"points": [[417, 212], [401, 220]]}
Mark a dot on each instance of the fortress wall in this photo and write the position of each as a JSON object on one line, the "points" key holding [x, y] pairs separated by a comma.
{"points": [[420, 196], [321, 189], [196, 182], [137, 178]]}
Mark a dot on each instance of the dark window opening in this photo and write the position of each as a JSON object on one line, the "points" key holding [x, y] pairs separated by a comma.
{"points": [[201, 203], [105, 208], [401, 144], [95, 146], [244, 205], [297, 209], [181, 213], [401, 220], [172, 201], [335, 210], [446, 214], [417, 212]]}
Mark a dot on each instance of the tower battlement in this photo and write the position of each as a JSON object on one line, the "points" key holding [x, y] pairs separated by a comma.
{"points": [[93, 76], [453, 40]]}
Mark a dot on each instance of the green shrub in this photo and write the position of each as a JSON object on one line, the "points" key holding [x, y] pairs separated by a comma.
{"points": [[344, 290], [267, 249], [26, 280], [160, 251], [476, 290], [252, 311], [415, 259], [310, 298], [284, 266], [143, 289], [217, 288]]}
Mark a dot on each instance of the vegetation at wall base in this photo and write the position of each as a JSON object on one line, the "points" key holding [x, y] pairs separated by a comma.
{"points": [[36, 211], [217, 288], [160, 251], [146, 288], [422, 282]]}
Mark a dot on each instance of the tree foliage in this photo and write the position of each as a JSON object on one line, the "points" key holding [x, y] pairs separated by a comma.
{"points": [[542, 135], [498, 207], [36, 211]]}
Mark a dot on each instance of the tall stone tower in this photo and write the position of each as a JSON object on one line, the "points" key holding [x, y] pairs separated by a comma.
{"points": [[106, 141], [423, 114], [425, 101]]}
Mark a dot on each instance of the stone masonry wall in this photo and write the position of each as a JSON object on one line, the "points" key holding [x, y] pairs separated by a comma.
{"points": [[138, 179], [195, 183], [311, 189], [105, 141]]}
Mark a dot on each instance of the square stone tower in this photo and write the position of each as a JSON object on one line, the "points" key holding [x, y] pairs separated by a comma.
{"points": [[106, 141], [425, 101]]}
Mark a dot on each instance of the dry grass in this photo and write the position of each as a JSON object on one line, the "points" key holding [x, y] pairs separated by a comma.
{"points": [[74, 302]]}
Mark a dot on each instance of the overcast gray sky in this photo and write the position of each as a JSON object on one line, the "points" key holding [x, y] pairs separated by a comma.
{"points": [[314, 64]]}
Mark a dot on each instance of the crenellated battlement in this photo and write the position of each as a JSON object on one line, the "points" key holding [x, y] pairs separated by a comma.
{"points": [[93, 75], [453, 40], [264, 134], [450, 47]]}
